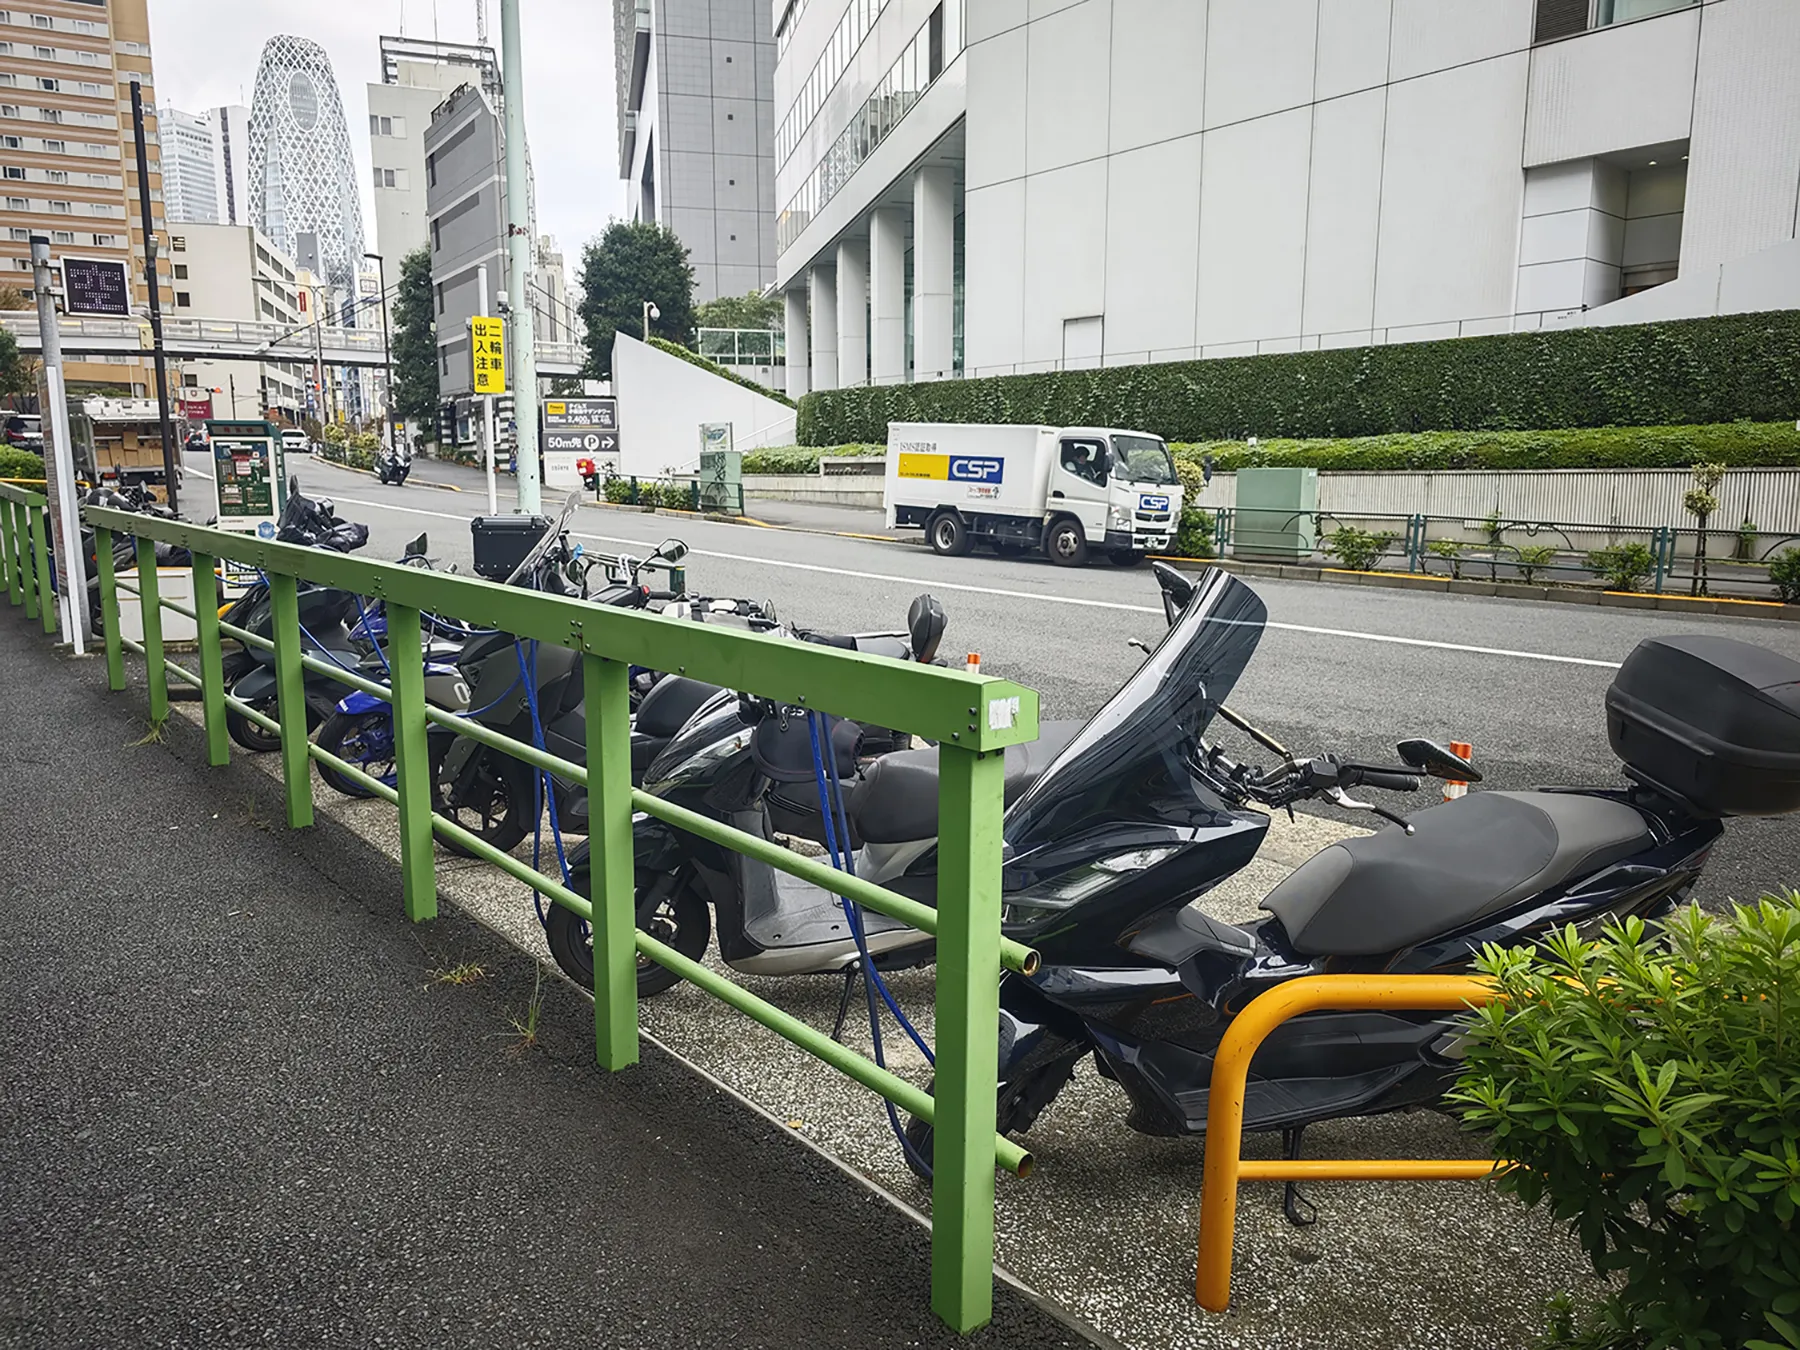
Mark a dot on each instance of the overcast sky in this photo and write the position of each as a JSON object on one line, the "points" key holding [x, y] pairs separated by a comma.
{"points": [[205, 54]]}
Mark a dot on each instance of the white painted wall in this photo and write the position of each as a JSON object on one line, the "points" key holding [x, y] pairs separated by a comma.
{"points": [[663, 400]]}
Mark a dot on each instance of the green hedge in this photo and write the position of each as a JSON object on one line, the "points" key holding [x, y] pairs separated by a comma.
{"points": [[723, 372], [17, 463], [1736, 444], [1724, 369], [800, 459]]}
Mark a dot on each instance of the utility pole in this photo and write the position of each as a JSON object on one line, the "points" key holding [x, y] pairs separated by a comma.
{"points": [[170, 471], [519, 245], [487, 401], [59, 464]]}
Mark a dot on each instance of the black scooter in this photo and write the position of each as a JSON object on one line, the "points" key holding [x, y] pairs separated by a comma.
{"points": [[1107, 855], [394, 465]]}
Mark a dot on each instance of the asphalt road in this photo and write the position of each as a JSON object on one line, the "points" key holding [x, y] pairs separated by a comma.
{"points": [[1341, 668]]}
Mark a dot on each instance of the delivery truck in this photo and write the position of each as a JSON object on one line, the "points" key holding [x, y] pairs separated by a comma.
{"points": [[1067, 492]]}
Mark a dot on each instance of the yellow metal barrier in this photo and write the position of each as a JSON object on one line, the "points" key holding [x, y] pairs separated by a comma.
{"points": [[1225, 1166]]}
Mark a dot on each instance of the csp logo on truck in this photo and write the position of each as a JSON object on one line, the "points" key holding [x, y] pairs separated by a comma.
{"points": [[1148, 503], [952, 468]]}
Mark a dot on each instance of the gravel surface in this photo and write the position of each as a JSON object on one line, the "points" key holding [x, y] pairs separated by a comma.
{"points": [[242, 1102]]}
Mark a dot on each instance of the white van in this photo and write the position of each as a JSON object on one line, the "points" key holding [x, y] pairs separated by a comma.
{"points": [[1065, 491]]}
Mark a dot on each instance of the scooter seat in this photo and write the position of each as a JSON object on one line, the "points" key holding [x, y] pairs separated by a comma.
{"points": [[1465, 860], [666, 709], [896, 800]]}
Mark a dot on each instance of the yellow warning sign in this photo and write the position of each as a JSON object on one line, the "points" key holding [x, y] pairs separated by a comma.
{"points": [[487, 354]]}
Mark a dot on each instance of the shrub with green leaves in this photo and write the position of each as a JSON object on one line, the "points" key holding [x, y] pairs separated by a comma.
{"points": [[694, 358], [1718, 369], [17, 463], [1624, 567], [1648, 1087], [1451, 551], [801, 459], [1784, 571], [1357, 550], [1532, 559]]}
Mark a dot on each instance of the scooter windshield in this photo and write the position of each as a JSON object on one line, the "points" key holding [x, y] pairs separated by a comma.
{"points": [[1130, 762]]}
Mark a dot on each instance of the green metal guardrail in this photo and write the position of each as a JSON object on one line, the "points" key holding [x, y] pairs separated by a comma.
{"points": [[973, 718], [25, 552]]}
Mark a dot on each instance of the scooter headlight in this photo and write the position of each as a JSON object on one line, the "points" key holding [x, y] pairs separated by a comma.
{"points": [[699, 764], [1069, 888]]}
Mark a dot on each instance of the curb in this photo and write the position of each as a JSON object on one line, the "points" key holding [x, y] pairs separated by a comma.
{"points": [[720, 519], [1725, 606]]}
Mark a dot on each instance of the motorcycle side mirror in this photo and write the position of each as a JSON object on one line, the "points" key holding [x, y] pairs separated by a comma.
{"points": [[415, 549], [925, 624], [1177, 590], [671, 551], [1431, 758]]}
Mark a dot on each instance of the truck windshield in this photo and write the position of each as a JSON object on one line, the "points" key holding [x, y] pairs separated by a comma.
{"points": [[1142, 459]]}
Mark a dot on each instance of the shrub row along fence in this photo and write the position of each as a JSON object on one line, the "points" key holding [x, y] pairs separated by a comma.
{"points": [[1722, 369], [971, 717]]}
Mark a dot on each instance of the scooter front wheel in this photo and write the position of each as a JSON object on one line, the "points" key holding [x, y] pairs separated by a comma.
{"points": [[364, 739], [677, 917]]}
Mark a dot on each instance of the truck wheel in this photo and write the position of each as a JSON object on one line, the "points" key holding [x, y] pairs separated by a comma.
{"points": [[1066, 544], [948, 535]]}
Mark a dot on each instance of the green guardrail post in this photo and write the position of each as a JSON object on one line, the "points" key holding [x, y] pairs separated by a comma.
{"points": [[968, 1021], [606, 685], [109, 610], [9, 576], [156, 674], [46, 599], [212, 672], [412, 762], [290, 697]]}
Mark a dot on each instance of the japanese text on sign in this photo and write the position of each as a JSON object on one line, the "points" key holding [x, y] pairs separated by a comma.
{"points": [[487, 354]]}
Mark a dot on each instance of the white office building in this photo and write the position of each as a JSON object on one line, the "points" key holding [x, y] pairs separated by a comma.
{"points": [[236, 272], [416, 76], [206, 165], [696, 94], [973, 187]]}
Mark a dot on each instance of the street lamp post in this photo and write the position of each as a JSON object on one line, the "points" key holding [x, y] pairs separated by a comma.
{"points": [[650, 312], [387, 355]]}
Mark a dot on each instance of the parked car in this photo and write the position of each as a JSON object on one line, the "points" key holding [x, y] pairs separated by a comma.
{"points": [[24, 431]]}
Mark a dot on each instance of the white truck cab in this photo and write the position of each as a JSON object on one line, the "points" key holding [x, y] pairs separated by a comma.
{"points": [[1064, 491]]}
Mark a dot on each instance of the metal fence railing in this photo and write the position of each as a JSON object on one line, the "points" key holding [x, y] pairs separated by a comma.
{"points": [[971, 717], [25, 552], [1654, 560]]}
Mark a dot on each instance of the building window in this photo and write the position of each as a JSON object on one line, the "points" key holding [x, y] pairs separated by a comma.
{"points": [[99, 209], [9, 110], [183, 299], [13, 171], [431, 170], [386, 126], [42, 21], [56, 175], [8, 79], [60, 208], [49, 84], [17, 204], [44, 53], [181, 272], [88, 58], [50, 114], [11, 142], [440, 298], [178, 243], [21, 234], [86, 26], [106, 241], [1624, 11], [93, 90], [56, 147], [62, 236]]}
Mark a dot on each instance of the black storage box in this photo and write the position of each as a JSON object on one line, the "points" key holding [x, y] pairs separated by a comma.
{"points": [[501, 542], [1711, 720]]}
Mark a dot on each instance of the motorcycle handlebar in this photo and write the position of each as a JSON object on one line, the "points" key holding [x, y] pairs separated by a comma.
{"points": [[1380, 778]]}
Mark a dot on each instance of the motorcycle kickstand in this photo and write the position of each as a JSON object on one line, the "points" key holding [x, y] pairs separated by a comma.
{"points": [[1300, 1211], [852, 973]]}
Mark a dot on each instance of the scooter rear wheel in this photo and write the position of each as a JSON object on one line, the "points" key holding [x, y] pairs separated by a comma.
{"points": [[681, 919], [490, 800], [364, 739]]}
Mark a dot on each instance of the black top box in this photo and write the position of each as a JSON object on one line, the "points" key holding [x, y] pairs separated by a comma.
{"points": [[1712, 721], [501, 542]]}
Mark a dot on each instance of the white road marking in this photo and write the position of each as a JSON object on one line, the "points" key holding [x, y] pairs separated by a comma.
{"points": [[1080, 601]]}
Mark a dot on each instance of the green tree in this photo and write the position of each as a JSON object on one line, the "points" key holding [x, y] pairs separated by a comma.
{"points": [[754, 310], [629, 264], [18, 372], [415, 343]]}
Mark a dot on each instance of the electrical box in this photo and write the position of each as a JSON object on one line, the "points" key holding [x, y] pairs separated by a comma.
{"points": [[1276, 517], [721, 470]]}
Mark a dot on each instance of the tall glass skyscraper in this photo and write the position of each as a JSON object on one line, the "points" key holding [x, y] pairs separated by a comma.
{"points": [[302, 175]]}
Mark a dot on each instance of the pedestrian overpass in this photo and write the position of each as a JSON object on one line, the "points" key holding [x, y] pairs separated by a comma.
{"points": [[241, 340]]}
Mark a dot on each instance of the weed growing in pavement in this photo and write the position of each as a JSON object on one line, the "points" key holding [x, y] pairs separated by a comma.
{"points": [[155, 735], [466, 972], [526, 1031]]}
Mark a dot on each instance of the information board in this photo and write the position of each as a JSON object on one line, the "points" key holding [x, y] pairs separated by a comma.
{"points": [[248, 467], [487, 354], [96, 286]]}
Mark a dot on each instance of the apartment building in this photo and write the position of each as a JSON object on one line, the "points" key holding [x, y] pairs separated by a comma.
{"points": [[237, 272], [974, 187], [67, 166]]}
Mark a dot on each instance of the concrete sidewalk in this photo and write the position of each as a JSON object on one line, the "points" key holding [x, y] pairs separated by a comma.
{"points": [[242, 1101]]}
